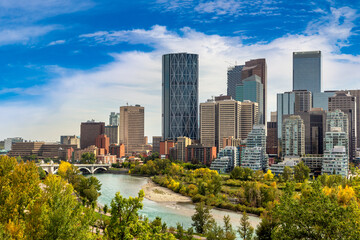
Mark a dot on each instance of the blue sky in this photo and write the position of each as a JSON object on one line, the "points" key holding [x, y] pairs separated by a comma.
{"points": [[67, 61]]}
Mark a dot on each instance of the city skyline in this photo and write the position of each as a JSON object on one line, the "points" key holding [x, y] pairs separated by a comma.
{"points": [[57, 74]]}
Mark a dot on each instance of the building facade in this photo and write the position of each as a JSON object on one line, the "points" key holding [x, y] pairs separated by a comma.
{"points": [[132, 128], [156, 143], [307, 71], [114, 119], [345, 102], [336, 161], [233, 79], [180, 83], [272, 139], [208, 123], [113, 133], [200, 154], [252, 89], [258, 67], [181, 144], [89, 132], [293, 136], [226, 160]]}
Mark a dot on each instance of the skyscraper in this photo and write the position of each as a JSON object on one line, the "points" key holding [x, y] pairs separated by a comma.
{"points": [[257, 67], [226, 118], [307, 71], [132, 128], [251, 89], [356, 93], [233, 79], [180, 82], [343, 101], [114, 119], [89, 131]]}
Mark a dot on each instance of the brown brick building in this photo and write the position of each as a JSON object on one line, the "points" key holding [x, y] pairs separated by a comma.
{"points": [[90, 130]]}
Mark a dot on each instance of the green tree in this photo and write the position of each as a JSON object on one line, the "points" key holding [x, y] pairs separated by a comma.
{"points": [[228, 229], [201, 218], [316, 214], [287, 174], [57, 214], [124, 222], [88, 158], [301, 172], [245, 230]]}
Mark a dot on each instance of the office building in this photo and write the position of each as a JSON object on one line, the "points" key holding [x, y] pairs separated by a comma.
{"points": [[336, 161], [343, 101], [200, 154], [233, 79], [293, 136], [70, 140], [356, 94], [180, 82], [165, 147], [113, 133], [307, 71], [314, 122], [257, 67], [231, 141], [181, 144], [132, 128], [271, 138], [114, 119], [226, 160], [226, 118], [156, 143], [273, 116], [10, 141], [321, 99], [251, 89], [89, 132], [303, 101], [208, 123]]}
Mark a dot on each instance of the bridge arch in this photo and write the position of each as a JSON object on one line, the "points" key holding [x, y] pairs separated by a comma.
{"points": [[85, 170], [103, 169]]}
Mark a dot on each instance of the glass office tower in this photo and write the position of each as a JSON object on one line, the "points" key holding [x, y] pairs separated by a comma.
{"points": [[180, 83], [233, 79], [307, 71]]}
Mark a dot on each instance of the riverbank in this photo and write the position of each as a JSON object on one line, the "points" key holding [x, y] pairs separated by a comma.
{"points": [[157, 193]]}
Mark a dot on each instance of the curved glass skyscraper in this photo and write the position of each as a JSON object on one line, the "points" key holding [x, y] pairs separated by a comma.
{"points": [[180, 84]]}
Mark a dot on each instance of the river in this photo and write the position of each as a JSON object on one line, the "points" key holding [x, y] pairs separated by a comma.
{"points": [[170, 212]]}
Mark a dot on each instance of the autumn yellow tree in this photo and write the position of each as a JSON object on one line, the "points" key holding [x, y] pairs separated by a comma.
{"points": [[268, 176]]}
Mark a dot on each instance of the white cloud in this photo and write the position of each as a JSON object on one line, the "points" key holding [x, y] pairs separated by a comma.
{"points": [[57, 42], [23, 34], [135, 77]]}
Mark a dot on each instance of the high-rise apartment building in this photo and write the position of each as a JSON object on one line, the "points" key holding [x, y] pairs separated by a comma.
{"points": [[233, 79], [254, 155], [290, 103], [336, 161], [180, 83], [89, 132], [251, 89], [307, 71], [257, 67], [336, 137], [114, 119], [347, 103], [113, 133], [132, 128], [337, 118], [293, 136], [226, 160]]}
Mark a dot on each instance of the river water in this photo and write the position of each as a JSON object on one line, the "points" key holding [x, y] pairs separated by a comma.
{"points": [[170, 212]]}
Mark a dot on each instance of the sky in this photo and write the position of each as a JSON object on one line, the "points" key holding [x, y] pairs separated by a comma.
{"points": [[64, 62]]}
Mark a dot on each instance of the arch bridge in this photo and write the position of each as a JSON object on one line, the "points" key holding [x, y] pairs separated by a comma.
{"points": [[84, 168]]}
